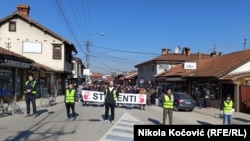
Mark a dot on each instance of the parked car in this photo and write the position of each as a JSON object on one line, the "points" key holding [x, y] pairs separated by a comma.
{"points": [[183, 101]]}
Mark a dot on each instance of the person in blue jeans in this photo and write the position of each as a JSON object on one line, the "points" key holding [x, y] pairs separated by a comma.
{"points": [[227, 109]]}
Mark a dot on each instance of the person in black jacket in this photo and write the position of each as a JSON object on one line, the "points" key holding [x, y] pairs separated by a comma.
{"points": [[111, 93], [30, 91], [69, 100]]}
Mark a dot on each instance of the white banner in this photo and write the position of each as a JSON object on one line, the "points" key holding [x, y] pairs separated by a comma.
{"points": [[131, 98]]}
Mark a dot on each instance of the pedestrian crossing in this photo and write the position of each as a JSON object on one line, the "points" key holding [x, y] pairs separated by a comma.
{"points": [[122, 130]]}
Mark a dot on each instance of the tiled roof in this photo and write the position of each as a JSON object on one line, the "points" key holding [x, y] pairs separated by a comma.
{"points": [[177, 57], [221, 65], [131, 75], [218, 66], [14, 56], [176, 71], [43, 67]]}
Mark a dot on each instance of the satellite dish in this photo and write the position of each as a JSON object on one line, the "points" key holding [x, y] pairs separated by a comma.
{"points": [[177, 49]]}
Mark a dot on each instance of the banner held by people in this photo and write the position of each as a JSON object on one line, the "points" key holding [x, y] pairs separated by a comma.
{"points": [[131, 98]]}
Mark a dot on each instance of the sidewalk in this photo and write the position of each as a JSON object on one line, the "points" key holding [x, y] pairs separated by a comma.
{"points": [[22, 104], [238, 117]]}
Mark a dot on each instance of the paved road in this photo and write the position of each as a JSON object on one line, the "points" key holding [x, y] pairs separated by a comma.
{"points": [[51, 123]]}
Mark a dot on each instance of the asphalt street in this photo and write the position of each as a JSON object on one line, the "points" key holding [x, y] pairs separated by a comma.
{"points": [[52, 124]]}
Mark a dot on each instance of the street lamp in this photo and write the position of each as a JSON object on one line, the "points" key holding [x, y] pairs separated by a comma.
{"points": [[87, 72]]}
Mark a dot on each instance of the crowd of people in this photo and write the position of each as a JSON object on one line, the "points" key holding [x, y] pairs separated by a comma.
{"points": [[154, 96]]}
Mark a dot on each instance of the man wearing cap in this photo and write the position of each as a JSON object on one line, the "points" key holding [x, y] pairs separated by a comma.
{"points": [[227, 109]]}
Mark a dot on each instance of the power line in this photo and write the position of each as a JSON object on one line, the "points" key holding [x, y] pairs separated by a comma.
{"points": [[124, 51]]}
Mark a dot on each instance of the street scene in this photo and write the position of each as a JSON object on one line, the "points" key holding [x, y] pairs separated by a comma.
{"points": [[52, 124], [92, 70]]}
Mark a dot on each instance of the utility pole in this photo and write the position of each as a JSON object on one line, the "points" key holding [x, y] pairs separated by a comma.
{"points": [[87, 78], [87, 60], [245, 42], [87, 54]]}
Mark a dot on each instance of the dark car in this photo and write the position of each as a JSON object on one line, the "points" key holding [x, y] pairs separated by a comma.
{"points": [[183, 101]]}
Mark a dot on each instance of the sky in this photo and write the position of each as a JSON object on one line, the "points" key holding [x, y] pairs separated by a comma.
{"points": [[136, 31]]}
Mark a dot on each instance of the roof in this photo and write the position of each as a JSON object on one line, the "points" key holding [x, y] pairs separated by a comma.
{"points": [[43, 67], [131, 75], [218, 67], [176, 57], [221, 65], [36, 24], [14, 56], [176, 71]]}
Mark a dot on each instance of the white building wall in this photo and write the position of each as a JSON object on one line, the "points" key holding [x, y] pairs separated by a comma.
{"points": [[243, 68], [27, 33]]}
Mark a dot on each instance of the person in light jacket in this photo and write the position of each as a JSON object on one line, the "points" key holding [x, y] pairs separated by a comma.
{"points": [[227, 109]]}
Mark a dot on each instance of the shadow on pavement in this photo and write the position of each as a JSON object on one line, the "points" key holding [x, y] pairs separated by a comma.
{"points": [[242, 120], [39, 112], [203, 123], [94, 120], [156, 122]]}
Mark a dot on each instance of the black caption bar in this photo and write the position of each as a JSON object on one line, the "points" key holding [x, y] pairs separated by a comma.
{"points": [[204, 132]]}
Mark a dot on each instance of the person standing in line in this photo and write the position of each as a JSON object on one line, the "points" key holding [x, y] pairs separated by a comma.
{"points": [[30, 91], [70, 99], [79, 92], [86, 86], [144, 92], [110, 96], [207, 99], [227, 109], [197, 94], [168, 106]]}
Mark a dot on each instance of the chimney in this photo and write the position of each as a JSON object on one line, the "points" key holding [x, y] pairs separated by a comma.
{"points": [[220, 53], [186, 51], [199, 55], [23, 10], [213, 54], [163, 51], [168, 51]]}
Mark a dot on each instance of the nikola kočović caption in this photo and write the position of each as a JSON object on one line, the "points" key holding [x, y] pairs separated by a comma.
{"points": [[197, 131]]}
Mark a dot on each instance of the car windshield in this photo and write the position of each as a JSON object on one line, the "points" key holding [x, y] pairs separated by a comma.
{"points": [[185, 96]]}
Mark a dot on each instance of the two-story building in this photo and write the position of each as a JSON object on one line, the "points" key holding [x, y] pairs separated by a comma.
{"points": [[147, 71], [36, 42]]}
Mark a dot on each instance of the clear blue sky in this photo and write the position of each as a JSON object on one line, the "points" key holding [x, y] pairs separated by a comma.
{"points": [[136, 30]]}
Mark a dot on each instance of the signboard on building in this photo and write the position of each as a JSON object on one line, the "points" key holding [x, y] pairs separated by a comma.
{"points": [[18, 64], [190, 65], [86, 72]]}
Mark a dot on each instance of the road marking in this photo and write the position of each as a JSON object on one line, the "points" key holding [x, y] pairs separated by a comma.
{"points": [[122, 130]]}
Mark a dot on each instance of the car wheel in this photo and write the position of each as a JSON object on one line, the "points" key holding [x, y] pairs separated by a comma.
{"points": [[191, 110]]}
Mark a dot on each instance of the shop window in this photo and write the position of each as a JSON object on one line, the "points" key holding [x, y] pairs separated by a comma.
{"points": [[6, 79]]}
